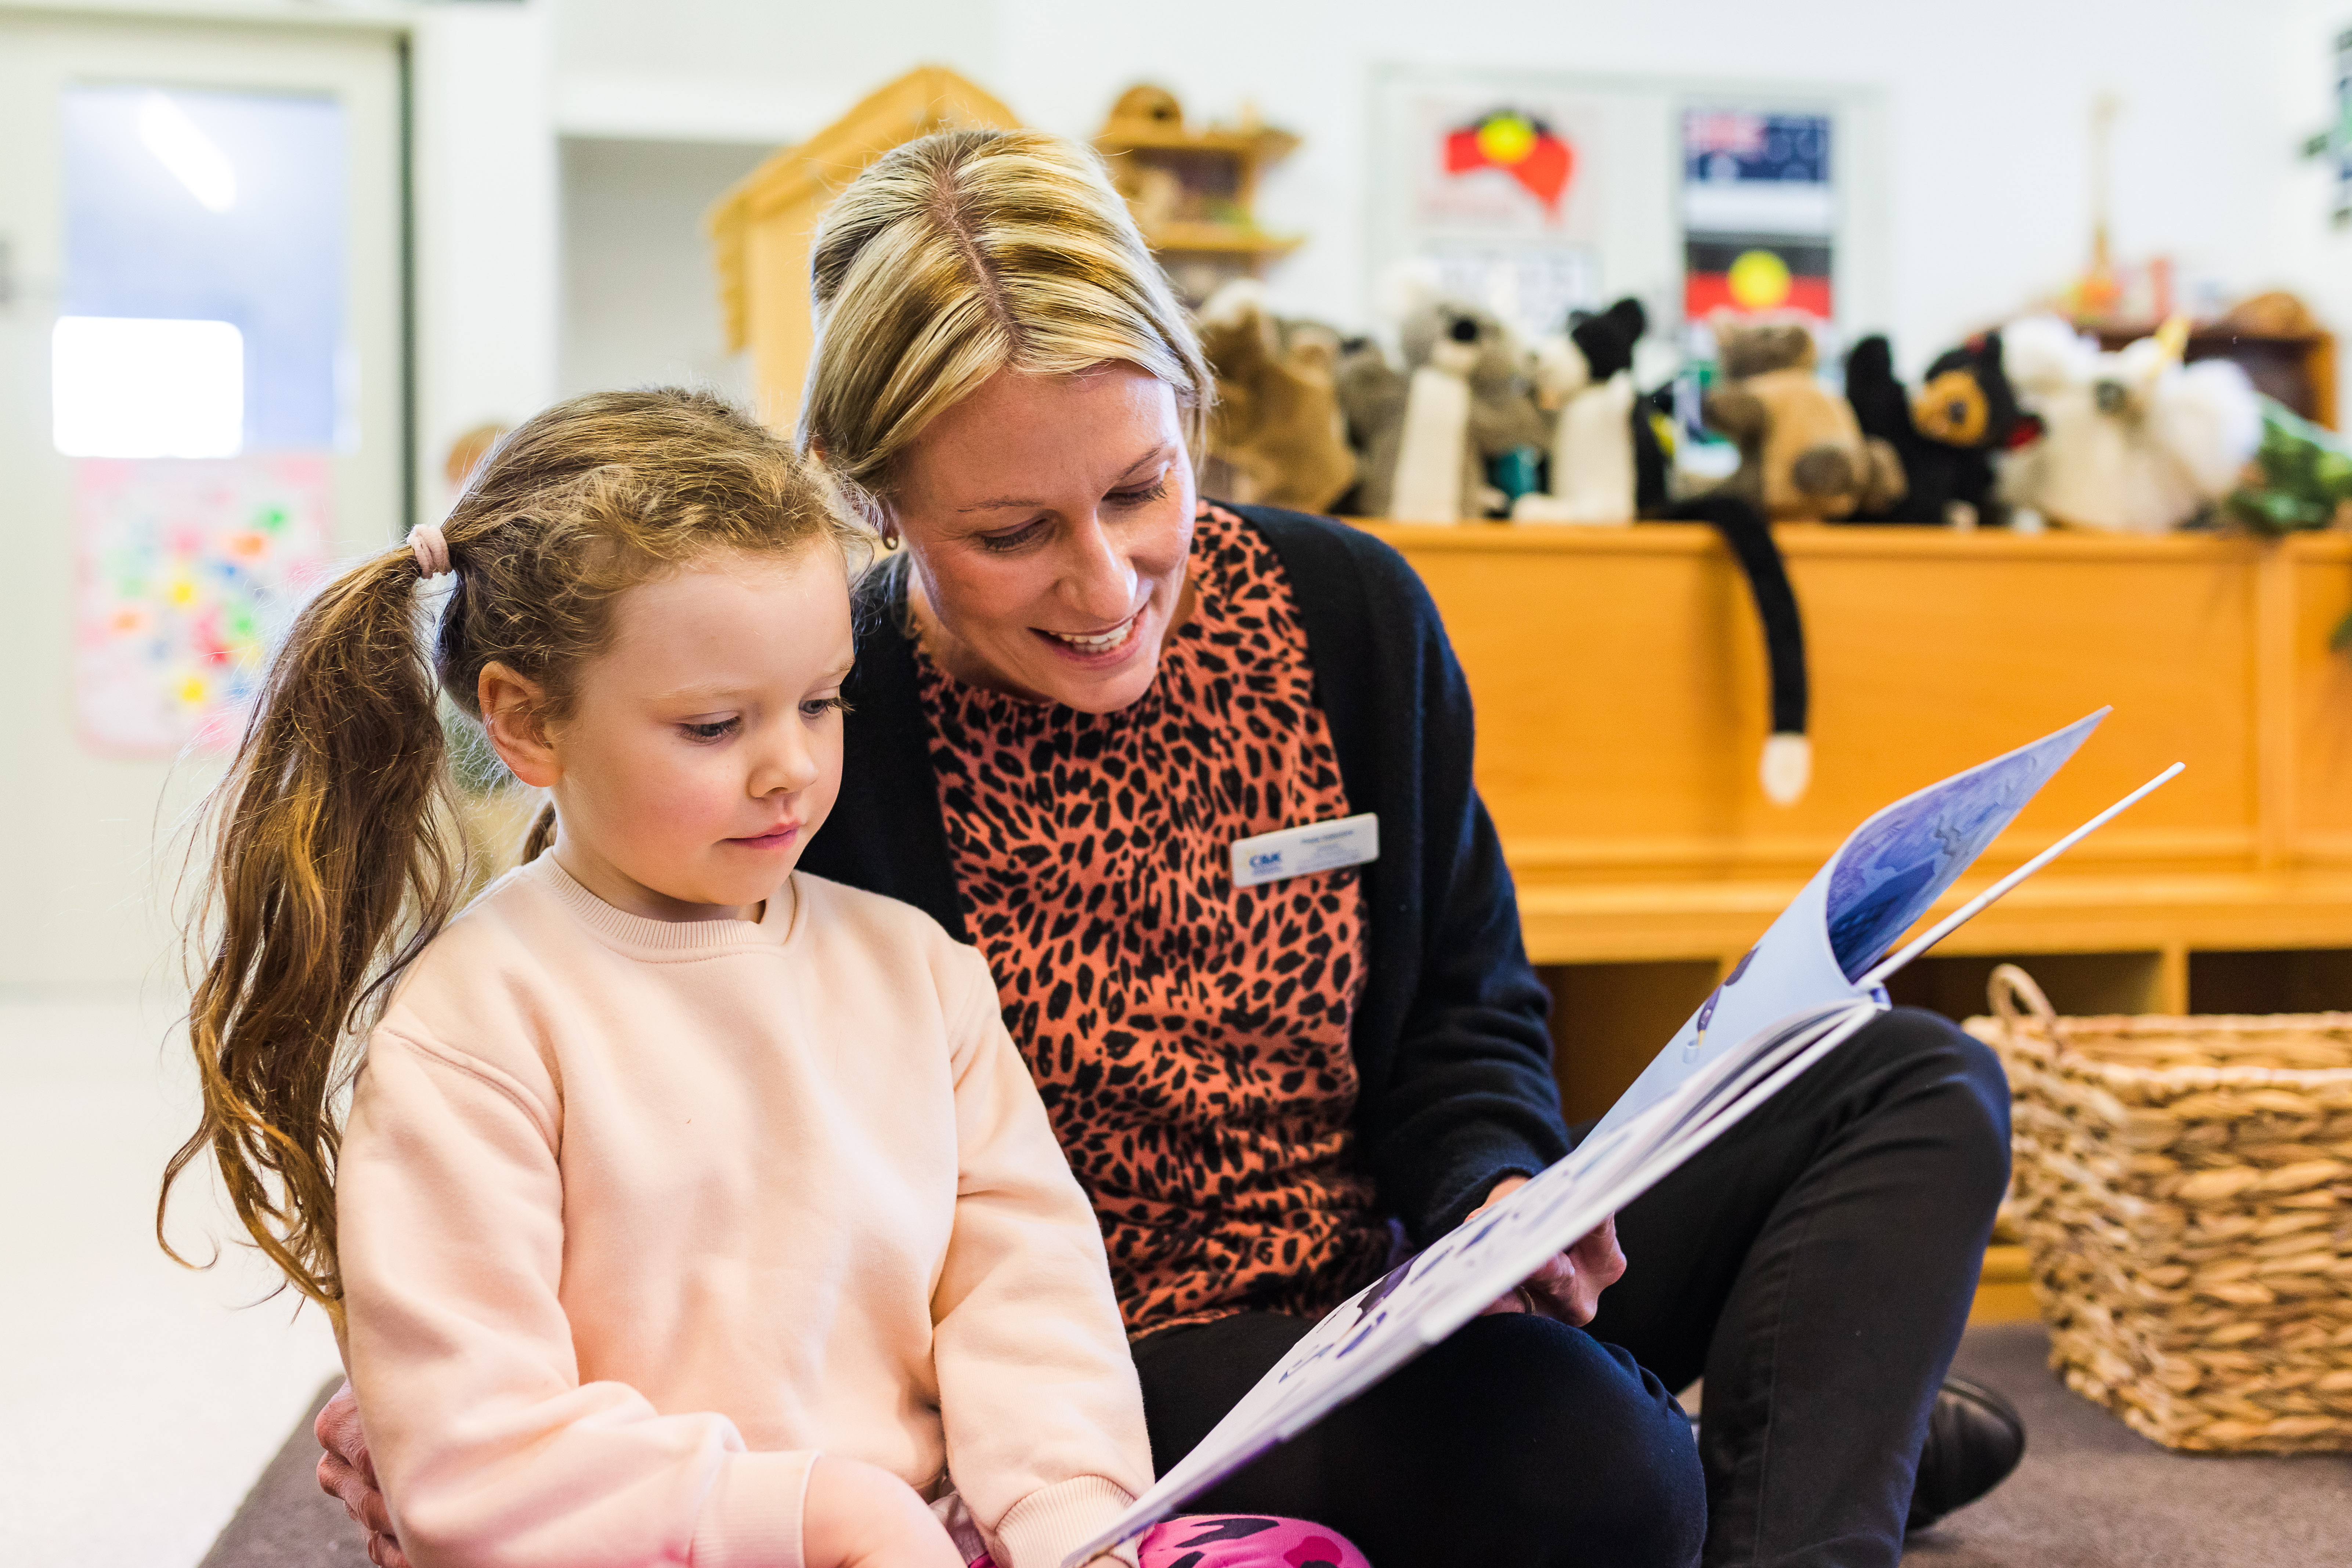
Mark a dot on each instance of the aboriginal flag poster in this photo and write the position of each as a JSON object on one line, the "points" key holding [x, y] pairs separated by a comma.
{"points": [[1760, 215]]}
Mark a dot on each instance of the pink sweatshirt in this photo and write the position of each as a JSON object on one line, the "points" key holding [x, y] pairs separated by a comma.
{"points": [[637, 1217]]}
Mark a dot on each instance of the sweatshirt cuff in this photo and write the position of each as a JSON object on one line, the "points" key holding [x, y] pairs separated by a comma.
{"points": [[1053, 1522], [753, 1517]]}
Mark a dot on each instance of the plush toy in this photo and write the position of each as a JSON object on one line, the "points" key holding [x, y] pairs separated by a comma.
{"points": [[2134, 441], [1801, 453], [1426, 436], [1371, 411], [1644, 440], [1966, 411], [1277, 427], [1587, 376]]}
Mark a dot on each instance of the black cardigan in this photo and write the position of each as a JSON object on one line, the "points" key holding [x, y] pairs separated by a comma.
{"points": [[1451, 1051]]}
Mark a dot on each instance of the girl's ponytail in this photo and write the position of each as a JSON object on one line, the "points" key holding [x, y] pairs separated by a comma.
{"points": [[336, 856], [334, 852]]}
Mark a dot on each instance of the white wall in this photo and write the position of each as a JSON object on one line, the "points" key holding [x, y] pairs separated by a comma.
{"points": [[1986, 119], [1987, 115], [487, 251], [2315, 258], [640, 301]]}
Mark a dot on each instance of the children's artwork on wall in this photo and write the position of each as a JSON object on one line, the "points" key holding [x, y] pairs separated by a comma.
{"points": [[1760, 214], [185, 571]]}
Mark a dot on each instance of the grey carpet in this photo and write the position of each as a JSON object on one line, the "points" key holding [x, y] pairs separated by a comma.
{"points": [[2091, 1494], [286, 1521]]}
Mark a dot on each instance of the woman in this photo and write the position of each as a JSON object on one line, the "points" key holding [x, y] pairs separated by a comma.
{"points": [[1078, 688]]}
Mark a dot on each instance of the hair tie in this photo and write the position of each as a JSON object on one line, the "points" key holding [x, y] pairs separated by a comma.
{"points": [[431, 549]]}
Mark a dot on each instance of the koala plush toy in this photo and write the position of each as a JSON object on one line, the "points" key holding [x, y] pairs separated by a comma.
{"points": [[1802, 452], [1426, 436]]}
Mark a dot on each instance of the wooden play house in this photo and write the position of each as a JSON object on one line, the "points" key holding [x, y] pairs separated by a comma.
{"points": [[759, 231]]}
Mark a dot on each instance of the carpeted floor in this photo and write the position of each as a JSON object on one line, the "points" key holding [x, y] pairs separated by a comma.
{"points": [[2091, 1494], [286, 1521]]}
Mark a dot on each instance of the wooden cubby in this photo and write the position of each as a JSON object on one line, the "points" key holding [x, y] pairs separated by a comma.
{"points": [[1609, 1019], [2292, 980]]}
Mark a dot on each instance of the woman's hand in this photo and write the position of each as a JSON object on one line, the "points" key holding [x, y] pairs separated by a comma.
{"points": [[858, 1515], [1568, 1285], [348, 1475]]}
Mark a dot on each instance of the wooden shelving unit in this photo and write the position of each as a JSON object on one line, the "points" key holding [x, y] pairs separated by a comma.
{"points": [[2296, 368], [1620, 695], [1195, 192]]}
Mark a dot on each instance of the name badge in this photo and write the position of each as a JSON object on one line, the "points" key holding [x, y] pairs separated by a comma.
{"points": [[1317, 847]]}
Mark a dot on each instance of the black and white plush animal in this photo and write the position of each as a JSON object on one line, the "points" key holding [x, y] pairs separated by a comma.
{"points": [[1586, 375]]}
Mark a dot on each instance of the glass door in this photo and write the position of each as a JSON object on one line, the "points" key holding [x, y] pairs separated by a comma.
{"points": [[201, 414]]}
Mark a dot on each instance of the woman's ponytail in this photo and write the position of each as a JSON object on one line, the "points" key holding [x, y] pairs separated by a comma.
{"points": [[334, 861]]}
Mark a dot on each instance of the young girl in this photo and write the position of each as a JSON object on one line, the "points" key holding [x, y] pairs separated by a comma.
{"points": [[689, 1210]]}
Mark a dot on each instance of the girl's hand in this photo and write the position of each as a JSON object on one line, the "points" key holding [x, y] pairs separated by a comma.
{"points": [[348, 1475], [861, 1516], [1568, 1285]]}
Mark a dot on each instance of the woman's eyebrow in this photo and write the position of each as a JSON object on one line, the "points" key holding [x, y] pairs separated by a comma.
{"points": [[1001, 503]]}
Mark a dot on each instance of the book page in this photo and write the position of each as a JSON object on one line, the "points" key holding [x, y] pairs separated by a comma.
{"points": [[1888, 873]]}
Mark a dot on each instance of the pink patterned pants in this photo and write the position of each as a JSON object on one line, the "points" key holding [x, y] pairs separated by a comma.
{"points": [[1240, 1540]]}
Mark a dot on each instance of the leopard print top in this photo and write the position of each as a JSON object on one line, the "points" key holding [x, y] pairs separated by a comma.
{"points": [[1189, 1038]]}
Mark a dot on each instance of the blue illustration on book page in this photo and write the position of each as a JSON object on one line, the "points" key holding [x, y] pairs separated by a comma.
{"points": [[1888, 873]]}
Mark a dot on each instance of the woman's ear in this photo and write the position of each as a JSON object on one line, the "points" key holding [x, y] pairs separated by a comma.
{"points": [[510, 707]]}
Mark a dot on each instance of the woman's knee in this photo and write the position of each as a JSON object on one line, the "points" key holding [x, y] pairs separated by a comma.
{"points": [[1553, 1428], [1970, 1088]]}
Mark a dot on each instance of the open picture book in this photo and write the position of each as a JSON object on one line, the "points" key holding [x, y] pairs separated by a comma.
{"points": [[1810, 983]]}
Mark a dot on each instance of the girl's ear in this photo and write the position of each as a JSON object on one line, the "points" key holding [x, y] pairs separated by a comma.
{"points": [[510, 707]]}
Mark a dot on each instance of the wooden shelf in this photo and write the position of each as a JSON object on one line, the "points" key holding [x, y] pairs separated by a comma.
{"points": [[2004, 1288], [1620, 685], [1266, 144], [1221, 238]]}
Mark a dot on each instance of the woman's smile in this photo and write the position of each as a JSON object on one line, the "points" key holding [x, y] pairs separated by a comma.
{"points": [[1097, 649]]}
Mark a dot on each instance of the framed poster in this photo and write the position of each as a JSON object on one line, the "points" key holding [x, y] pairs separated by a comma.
{"points": [[1536, 193], [1760, 214]]}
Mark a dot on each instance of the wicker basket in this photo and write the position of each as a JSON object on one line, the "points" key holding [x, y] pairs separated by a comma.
{"points": [[2184, 1186]]}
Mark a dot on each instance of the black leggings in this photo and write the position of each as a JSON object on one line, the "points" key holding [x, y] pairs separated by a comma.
{"points": [[1816, 1264]]}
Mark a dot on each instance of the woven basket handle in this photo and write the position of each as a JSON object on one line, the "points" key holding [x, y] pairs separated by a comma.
{"points": [[2013, 994]]}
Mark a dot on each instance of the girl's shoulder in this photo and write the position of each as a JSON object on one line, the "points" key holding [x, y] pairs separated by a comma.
{"points": [[857, 938], [481, 995]]}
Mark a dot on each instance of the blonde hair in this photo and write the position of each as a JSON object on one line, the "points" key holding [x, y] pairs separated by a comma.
{"points": [[334, 856], [960, 254]]}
